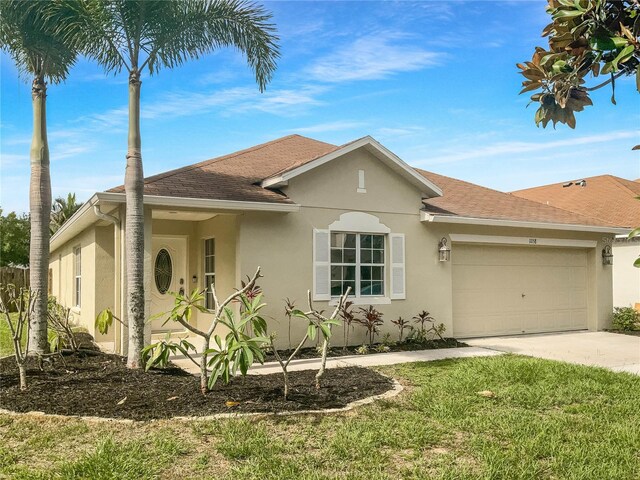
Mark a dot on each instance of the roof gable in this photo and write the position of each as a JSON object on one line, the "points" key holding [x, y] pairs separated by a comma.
{"points": [[390, 159]]}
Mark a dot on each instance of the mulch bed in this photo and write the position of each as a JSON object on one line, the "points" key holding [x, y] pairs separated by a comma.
{"points": [[311, 352], [98, 384]]}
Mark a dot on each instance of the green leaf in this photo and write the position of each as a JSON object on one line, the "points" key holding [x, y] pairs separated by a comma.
{"points": [[634, 233], [104, 320], [311, 331], [623, 56], [637, 263]]}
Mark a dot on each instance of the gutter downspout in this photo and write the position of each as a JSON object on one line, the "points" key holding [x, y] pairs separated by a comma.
{"points": [[117, 245]]}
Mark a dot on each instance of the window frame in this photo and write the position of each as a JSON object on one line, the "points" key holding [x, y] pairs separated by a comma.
{"points": [[77, 276], [208, 297], [357, 296]]}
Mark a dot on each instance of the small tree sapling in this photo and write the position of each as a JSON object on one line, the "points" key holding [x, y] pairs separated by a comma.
{"points": [[61, 328], [316, 322], [289, 306], [23, 301]]}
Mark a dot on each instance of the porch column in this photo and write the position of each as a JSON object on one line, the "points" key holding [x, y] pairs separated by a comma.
{"points": [[148, 271]]}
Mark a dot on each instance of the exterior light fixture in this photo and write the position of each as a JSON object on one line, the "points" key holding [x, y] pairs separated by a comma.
{"points": [[444, 250], [607, 255]]}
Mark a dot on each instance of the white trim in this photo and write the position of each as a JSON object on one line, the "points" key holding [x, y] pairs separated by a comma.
{"points": [[385, 155], [185, 202], [431, 218], [359, 222], [528, 241], [362, 188], [363, 300]]}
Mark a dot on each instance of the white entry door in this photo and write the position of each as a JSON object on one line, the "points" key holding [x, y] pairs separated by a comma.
{"points": [[169, 274]]}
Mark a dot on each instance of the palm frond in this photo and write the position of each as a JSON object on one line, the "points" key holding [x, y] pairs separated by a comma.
{"points": [[29, 34]]}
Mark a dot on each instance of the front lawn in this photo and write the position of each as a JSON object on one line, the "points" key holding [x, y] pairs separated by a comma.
{"points": [[544, 420], [6, 343]]}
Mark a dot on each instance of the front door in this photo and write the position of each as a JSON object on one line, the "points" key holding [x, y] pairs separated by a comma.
{"points": [[169, 275]]}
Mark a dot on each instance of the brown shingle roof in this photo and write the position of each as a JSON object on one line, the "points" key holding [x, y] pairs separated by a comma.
{"points": [[460, 198], [605, 197], [236, 176]]}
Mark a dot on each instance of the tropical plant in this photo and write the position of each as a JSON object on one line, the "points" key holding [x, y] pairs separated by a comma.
{"points": [[371, 320], [14, 239], [30, 32], [362, 349], [22, 302], [156, 355], [626, 319], [62, 210], [150, 35], [402, 325], [382, 348], [316, 322], [423, 319], [348, 318], [586, 38]]}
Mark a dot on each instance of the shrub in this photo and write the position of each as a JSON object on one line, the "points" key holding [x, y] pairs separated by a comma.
{"points": [[371, 319], [423, 319], [362, 349], [382, 348], [626, 319], [402, 325]]}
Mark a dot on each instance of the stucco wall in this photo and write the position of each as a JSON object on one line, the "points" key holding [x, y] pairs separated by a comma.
{"points": [[282, 245], [62, 265], [626, 277]]}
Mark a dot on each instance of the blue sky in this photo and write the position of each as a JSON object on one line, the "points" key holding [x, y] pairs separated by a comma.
{"points": [[435, 82]]}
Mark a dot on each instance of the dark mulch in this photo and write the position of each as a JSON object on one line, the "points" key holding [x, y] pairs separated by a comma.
{"points": [[311, 352], [93, 384]]}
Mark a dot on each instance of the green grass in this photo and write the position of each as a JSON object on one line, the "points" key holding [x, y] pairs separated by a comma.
{"points": [[6, 342], [547, 420]]}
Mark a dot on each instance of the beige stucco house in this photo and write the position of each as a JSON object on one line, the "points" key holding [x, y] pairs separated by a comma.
{"points": [[612, 199], [322, 217]]}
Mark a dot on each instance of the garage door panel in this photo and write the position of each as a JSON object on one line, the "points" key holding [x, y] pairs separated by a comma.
{"points": [[489, 283]]}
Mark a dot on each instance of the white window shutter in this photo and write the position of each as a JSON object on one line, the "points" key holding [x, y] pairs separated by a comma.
{"points": [[321, 265], [398, 288]]}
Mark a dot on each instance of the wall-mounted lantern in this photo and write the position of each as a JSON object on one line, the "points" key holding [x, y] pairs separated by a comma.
{"points": [[444, 250], [607, 255]]}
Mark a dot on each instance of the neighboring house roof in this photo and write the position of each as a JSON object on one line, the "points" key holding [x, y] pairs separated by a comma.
{"points": [[605, 197], [464, 199]]}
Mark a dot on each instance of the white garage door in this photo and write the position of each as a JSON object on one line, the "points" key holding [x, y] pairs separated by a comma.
{"points": [[502, 290]]}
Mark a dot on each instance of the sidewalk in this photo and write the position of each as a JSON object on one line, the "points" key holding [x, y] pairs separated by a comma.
{"points": [[369, 360]]}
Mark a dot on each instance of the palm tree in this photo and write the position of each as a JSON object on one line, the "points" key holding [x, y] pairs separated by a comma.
{"points": [[62, 210], [43, 55], [148, 35]]}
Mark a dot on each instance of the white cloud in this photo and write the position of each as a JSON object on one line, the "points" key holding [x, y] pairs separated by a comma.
{"points": [[373, 57], [511, 148]]}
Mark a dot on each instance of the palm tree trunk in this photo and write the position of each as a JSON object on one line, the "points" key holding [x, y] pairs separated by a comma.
{"points": [[40, 209], [134, 190]]}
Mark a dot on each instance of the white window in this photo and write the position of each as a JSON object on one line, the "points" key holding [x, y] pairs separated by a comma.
{"points": [[77, 272], [209, 270], [358, 261]]}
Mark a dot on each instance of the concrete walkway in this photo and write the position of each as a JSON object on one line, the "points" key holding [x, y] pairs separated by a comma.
{"points": [[368, 360], [620, 353]]}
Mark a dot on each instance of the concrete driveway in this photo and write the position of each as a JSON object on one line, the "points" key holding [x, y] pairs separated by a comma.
{"points": [[620, 353]]}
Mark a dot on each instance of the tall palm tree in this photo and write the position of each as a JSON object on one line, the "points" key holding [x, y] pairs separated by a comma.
{"points": [[62, 210], [29, 33], [148, 35]]}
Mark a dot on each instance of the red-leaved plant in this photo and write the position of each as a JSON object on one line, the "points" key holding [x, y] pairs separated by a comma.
{"points": [[371, 319]]}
